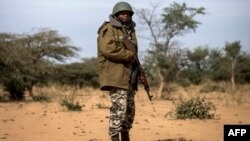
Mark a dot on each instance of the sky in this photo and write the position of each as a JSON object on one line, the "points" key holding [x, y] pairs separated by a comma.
{"points": [[225, 21]]}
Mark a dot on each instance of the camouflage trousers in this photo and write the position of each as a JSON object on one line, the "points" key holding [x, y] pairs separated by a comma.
{"points": [[122, 111]]}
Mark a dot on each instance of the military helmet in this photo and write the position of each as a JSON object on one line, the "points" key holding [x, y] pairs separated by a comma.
{"points": [[122, 6]]}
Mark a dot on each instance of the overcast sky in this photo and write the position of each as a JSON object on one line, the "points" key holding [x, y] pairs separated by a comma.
{"points": [[225, 21]]}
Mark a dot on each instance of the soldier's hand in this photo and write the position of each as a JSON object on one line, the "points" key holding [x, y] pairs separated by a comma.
{"points": [[141, 79]]}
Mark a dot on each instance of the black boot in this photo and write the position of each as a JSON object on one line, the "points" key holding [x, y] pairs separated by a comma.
{"points": [[125, 136], [115, 137]]}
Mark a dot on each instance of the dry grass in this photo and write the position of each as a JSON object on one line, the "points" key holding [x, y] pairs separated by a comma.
{"points": [[225, 94], [226, 98]]}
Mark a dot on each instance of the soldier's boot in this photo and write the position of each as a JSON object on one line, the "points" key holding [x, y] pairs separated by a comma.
{"points": [[115, 137], [125, 136]]}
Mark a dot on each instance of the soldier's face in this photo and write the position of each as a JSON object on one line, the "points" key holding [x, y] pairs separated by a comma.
{"points": [[124, 16]]}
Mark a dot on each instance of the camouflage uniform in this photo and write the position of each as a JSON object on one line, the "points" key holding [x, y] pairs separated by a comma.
{"points": [[122, 111]]}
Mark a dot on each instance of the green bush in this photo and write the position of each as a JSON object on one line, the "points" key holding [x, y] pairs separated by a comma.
{"points": [[71, 105], [195, 108], [15, 86], [195, 77]]}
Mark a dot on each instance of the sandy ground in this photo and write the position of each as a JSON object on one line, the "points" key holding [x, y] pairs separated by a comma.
{"points": [[36, 121]]}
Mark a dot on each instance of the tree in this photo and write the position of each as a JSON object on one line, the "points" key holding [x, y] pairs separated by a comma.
{"points": [[77, 74], [243, 68], [45, 47], [198, 59], [13, 58], [176, 20], [30, 56], [233, 51], [218, 65]]}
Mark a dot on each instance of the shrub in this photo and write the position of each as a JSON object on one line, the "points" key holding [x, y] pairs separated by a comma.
{"points": [[71, 105], [41, 98], [195, 108], [195, 77], [15, 86]]}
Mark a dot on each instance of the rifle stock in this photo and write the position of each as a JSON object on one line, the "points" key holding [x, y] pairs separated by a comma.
{"points": [[128, 45]]}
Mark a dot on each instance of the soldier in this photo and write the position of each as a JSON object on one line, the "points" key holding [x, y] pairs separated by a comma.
{"points": [[115, 62]]}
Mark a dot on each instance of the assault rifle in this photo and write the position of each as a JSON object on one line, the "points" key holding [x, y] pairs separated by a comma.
{"points": [[137, 70]]}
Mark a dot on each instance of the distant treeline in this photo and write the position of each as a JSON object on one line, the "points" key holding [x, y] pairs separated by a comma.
{"points": [[203, 64], [33, 59]]}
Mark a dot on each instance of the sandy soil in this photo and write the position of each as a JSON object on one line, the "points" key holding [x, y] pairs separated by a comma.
{"points": [[35, 121]]}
